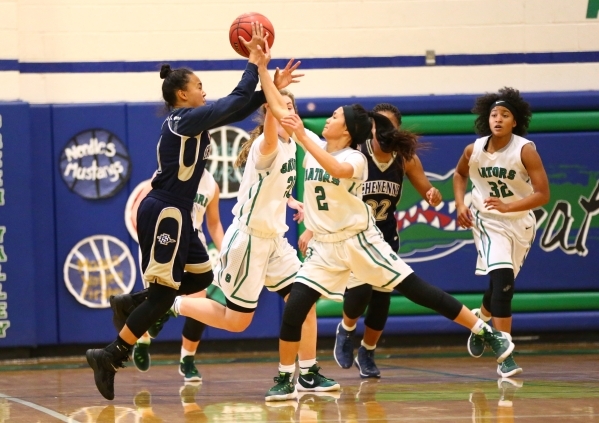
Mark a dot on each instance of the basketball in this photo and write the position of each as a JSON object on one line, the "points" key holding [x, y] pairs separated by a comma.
{"points": [[242, 26]]}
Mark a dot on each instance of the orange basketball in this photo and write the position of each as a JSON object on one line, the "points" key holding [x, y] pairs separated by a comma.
{"points": [[242, 26]]}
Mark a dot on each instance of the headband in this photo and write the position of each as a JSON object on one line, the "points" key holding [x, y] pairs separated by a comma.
{"points": [[505, 104]]}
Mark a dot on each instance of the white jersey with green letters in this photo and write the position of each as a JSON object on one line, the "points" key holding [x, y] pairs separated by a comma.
{"points": [[500, 174], [333, 207], [263, 193], [204, 195]]}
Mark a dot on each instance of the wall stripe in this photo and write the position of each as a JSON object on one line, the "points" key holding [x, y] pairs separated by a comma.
{"points": [[315, 63]]}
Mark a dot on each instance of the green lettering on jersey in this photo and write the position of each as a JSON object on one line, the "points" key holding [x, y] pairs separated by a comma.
{"points": [[2, 254], [2, 232]]}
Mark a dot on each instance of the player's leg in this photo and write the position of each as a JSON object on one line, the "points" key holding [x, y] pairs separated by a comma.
{"points": [[355, 301], [373, 261], [374, 323], [283, 266]]}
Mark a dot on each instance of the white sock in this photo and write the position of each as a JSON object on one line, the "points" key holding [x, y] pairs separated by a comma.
{"points": [[176, 305], [484, 317], [287, 369], [305, 365], [348, 328], [185, 353], [368, 347], [477, 329]]}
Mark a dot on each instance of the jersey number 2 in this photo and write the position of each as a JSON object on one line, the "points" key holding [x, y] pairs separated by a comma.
{"points": [[322, 205], [499, 189]]}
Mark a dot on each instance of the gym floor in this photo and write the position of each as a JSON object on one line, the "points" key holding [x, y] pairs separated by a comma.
{"points": [[560, 383]]}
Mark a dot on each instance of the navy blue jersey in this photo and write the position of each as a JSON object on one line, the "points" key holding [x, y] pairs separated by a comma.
{"points": [[382, 192], [184, 144]]}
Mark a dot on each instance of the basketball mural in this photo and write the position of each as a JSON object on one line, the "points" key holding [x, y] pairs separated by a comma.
{"points": [[226, 142], [98, 267]]}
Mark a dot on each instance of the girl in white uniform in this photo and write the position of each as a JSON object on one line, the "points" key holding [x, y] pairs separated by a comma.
{"points": [[509, 181], [205, 204], [346, 238], [255, 252]]}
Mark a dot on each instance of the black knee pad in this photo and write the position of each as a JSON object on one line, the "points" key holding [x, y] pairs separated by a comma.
{"points": [[487, 296], [378, 310], [193, 330], [503, 292], [298, 305], [285, 291], [355, 300], [195, 282], [430, 296], [160, 299]]}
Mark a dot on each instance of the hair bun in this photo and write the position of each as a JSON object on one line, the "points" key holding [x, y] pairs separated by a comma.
{"points": [[165, 70]]}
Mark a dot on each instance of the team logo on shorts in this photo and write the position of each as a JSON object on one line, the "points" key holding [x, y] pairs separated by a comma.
{"points": [[96, 268], [425, 232], [165, 239], [225, 144], [95, 164]]}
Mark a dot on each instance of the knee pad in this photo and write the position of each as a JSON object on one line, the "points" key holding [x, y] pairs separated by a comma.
{"points": [[355, 300], [195, 282], [300, 301], [503, 292], [487, 295], [193, 329], [378, 310], [430, 296]]}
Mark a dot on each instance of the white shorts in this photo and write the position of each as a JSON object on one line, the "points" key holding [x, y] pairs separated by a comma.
{"points": [[502, 242], [328, 265], [354, 282], [249, 262]]}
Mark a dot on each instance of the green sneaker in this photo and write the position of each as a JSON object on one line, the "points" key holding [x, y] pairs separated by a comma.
{"points": [[500, 342], [188, 369], [159, 324], [141, 356], [476, 343], [283, 390], [508, 367], [314, 381]]}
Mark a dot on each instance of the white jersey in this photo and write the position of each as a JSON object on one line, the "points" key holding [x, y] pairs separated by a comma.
{"points": [[204, 195], [262, 199], [500, 174], [333, 207]]}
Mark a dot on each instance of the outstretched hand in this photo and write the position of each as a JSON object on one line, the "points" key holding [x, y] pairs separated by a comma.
{"points": [[257, 46], [286, 76], [292, 123]]}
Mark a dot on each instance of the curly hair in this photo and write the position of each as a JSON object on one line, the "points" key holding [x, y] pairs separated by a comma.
{"points": [[244, 151], [482, 107]]}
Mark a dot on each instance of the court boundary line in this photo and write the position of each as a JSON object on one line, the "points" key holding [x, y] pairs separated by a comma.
{"points": [[40, 408]]}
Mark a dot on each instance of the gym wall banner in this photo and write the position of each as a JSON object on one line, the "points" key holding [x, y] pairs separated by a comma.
{"points": [[95, 164]]}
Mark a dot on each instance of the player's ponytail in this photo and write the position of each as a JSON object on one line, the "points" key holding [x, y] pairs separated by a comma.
{"points": [[392, 140]]}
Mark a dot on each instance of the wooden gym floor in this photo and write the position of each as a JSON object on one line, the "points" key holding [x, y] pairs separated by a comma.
{"points": [[560, 383]]}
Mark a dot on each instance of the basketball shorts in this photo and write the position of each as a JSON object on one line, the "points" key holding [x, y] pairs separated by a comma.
{"points": [[502, 242], [169, 244], [328, 265], [249, 261]]}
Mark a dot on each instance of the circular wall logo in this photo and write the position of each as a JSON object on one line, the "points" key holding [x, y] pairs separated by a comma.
{"points": [[96, 268], [95, 164], [225, 143]]}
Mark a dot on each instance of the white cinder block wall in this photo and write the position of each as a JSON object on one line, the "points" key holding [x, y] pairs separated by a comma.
{"points": [[38, 33]]}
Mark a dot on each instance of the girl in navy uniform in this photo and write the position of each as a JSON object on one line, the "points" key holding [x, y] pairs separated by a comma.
{"points": [[174, 260], [509, 181]]}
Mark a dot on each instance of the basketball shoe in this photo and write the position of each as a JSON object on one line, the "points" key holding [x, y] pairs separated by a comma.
{"points": [[141, 356], [365, 363], [476, 343], [508, 367], [283, 390], [344, 347], [122, 306], [500, 342], [105, 362], [314, 381], [188, 369]]}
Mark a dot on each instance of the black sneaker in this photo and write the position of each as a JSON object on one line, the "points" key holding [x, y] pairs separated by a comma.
{"points": [[122, 306], [105, 364], [365, 363], [344, 347]]}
